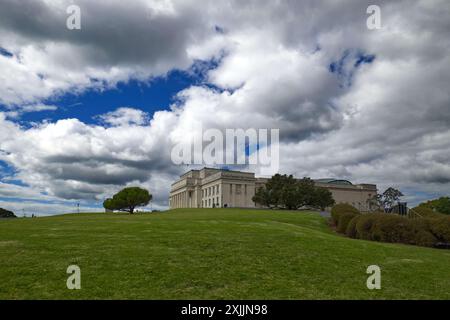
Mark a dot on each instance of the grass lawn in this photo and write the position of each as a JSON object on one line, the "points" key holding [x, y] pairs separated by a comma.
{"points": [[208, 254]]}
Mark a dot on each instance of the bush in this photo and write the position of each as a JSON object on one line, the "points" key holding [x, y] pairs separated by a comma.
{"points": [[351, 227], [427, 232], [342, 208], [364, 225], [392, 228], [344, 220], [425, 212], [440, 228], [422, 235]]}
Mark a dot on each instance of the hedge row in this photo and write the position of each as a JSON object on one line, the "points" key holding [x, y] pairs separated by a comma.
{"points": [[393, 228], [340, 209], [425, 212]]}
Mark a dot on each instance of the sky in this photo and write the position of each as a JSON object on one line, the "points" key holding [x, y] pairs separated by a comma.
{"points": [[84, 113]]}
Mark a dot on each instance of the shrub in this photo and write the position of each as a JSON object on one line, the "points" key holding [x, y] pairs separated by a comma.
{"points": [[422, 234], [351, 227], [392, 228], [440, 228], [344, 220], [427, 232], [396, 229], [341, 208], [364, 225], [425, 212]]}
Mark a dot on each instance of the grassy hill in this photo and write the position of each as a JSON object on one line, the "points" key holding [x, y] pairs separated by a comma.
{"points": [[208, 254]]}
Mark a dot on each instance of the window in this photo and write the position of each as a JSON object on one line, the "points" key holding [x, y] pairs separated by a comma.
{"points": [[231, 189], [209, 203], [245, 189], [238, 189]]}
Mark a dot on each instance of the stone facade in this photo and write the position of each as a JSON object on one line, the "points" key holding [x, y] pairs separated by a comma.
{"points": [[208, 188]]}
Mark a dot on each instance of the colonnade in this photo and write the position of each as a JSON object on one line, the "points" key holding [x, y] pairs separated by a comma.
{"points": [[179, 200]]}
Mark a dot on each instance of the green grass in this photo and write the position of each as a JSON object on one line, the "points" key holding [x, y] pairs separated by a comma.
{"points": [[208, 254]]}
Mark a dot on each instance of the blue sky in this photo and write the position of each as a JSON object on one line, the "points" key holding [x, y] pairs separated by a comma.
{"points": [[150, 96]]}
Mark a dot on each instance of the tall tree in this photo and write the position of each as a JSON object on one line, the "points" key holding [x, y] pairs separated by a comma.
{"points": [[262, 197], [322, 198], [387, 199], [276, 186]]}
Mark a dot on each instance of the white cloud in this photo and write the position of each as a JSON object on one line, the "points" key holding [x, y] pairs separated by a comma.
{"points": [[29, 108], [118, 41], [125, 116]]}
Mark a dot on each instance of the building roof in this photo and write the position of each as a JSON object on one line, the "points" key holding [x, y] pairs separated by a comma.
{"points": [[334, 181]]}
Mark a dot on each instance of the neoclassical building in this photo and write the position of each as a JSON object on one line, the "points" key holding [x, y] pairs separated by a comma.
{"points": [[208, 188]]}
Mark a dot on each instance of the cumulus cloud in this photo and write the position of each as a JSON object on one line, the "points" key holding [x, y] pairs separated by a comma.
{"points": [[125, 116], [72, 160], [118, 41], [366, 105]]}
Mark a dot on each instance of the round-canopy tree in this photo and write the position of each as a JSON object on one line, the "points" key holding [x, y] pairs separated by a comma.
{"points": [[285, 191], [128, 199], [6, 213]]}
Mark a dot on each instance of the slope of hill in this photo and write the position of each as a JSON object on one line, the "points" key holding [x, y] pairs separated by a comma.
{"points": [[208, 254]]}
